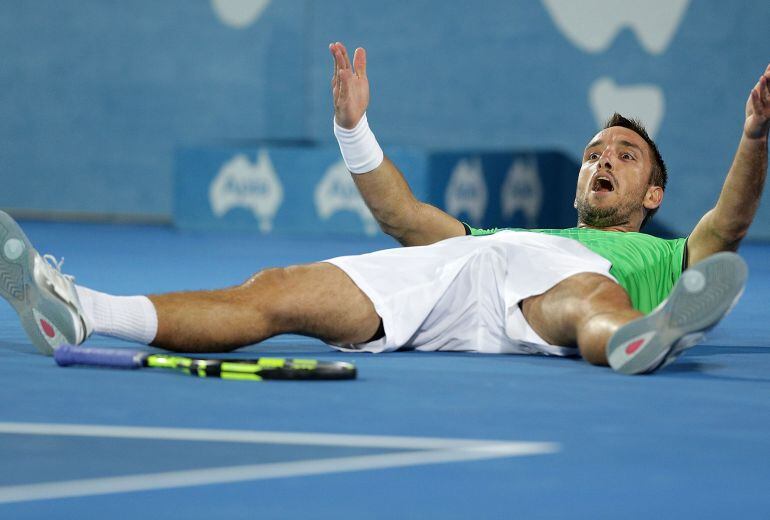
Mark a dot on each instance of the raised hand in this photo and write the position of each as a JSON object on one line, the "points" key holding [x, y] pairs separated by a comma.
{"points": [[758, 108], [350, 87]]}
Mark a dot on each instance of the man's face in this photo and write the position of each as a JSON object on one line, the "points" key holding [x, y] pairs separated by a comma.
{"points": [[613, 184]]}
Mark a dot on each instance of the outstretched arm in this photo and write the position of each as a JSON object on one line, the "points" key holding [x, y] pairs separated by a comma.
{"points": [[383, 188], [723, 228]]}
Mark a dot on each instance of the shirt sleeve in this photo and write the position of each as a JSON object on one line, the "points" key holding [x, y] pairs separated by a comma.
{"points": [[479, 232], [678, 256]]}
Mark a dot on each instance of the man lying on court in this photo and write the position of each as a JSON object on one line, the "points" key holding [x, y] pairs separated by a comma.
{"points": [[602, 289]]}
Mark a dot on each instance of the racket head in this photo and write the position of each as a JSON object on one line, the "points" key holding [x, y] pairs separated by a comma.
{"points": [[321, 371], [292, 369]]}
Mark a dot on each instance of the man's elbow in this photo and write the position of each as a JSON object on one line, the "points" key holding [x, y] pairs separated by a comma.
{"points": [[730, 233], [399, 224], [397, 232]]}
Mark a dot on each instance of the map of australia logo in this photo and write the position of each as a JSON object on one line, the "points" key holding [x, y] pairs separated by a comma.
{"points": [[466, 193], [337, 192], [522, 190], [252, 186]]}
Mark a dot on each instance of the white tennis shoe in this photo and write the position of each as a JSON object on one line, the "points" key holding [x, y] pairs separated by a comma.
{"points": [[701, 297], [44, 298]]}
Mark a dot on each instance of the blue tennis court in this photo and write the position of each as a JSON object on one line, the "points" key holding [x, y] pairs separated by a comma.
{"points": [[435, 435]]}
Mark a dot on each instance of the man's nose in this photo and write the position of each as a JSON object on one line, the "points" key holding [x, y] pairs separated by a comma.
{"points": [[605, 162]]}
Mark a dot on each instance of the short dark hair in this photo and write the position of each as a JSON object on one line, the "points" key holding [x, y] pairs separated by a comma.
{"points": [[659, 175]]}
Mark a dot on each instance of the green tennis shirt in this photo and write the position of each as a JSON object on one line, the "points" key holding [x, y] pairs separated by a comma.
{"points": [[647, 267]]}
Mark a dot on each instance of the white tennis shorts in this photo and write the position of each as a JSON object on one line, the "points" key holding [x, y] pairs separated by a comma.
{"points": [[463, 294]]}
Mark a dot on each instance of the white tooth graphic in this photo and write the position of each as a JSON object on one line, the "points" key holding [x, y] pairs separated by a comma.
{"points": [[645, 102], [239, 13], [591, 25]]}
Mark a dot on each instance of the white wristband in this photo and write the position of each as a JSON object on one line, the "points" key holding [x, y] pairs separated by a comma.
{"points": [[359, 147]]}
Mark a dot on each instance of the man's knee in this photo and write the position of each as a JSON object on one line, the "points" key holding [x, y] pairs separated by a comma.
{"points": [[270, 276], [265, 297], [577, 294], [319, 299], [557, 314]]}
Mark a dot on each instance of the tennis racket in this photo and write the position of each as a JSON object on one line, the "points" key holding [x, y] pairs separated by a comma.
{"points": [[255, 369]]}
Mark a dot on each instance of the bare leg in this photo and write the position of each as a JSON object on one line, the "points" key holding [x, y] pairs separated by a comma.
{"points": [[317, 300], [585, 309]]}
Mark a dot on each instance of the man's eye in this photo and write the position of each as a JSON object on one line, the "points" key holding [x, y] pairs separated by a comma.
{"points": [[627, 156], [593, 156]]}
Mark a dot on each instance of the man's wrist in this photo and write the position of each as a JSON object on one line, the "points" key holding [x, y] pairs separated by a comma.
{"points": [[359, 147], [760, 139]]}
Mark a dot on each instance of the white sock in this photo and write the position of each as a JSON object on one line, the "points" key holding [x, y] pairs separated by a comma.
{"points": [[131, 318]]}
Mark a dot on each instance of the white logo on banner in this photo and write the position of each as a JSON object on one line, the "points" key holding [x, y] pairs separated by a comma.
{"points": [[591, 25], [337, 192], [255, 187], [239, 13], [522, 190], [643, 101], [467, 191]]}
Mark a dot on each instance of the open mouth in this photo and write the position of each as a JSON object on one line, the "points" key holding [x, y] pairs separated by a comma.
{"points": [[602, 185]]}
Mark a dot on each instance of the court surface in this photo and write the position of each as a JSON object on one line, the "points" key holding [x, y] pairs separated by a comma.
{"points": [[418, 435]]}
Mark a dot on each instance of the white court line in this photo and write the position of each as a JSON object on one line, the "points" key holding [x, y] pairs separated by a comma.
{"points": [[448, 450], [245, 436]]}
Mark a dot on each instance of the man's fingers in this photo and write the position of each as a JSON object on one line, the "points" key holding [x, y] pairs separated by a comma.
{"points": [[336, 76], [345, 76], [339, 56], [766, 77], [756, 104], [344, 81], [345, 59], [334, 61], [762, 90], [760, 97], [359, 62], [345, 84], [765, 85], [342, 87]]}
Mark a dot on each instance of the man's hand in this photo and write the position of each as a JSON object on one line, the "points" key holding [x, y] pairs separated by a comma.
{"points": [[758, 109], [350, 86], [384, 189], [723, 227]]}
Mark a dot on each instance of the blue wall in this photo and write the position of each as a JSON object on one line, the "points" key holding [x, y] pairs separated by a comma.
{"points": [[307, 190], [96, 97]]}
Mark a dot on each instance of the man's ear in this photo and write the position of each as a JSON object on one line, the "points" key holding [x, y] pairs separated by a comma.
{"points": [[654, 197]]}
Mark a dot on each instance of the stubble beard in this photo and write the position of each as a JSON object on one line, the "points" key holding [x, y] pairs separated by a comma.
{"points": [[603, 217]]}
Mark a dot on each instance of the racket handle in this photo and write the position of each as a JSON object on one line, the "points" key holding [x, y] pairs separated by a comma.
{"points": [[67, 355]]}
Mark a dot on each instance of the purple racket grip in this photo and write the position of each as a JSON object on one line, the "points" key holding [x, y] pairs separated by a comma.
{"points": [[67, 355]]}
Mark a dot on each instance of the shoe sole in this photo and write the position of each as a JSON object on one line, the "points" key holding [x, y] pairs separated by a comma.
{"points": [[702, 296], [38, 309]]}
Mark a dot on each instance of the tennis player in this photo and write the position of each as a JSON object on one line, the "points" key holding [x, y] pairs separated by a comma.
{"points": [[601, 290]]}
